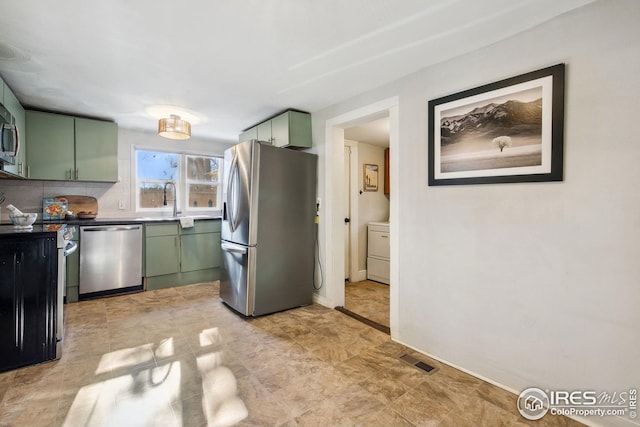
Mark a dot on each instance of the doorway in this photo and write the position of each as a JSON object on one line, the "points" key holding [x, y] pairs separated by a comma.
{"points": [[366, 206], [333, 234]]}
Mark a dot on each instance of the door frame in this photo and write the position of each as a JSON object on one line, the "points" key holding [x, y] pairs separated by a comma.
{"points": [[334, 188], [354, 223]]}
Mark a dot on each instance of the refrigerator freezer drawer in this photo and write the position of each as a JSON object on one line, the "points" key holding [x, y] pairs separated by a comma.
{"points": [[254, 282], [236, 281]]}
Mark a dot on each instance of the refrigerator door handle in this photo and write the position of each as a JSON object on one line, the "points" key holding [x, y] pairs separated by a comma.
{"points": [[230, 191], [233, 248]]}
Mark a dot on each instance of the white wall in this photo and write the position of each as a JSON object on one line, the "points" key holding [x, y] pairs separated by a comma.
{"points": [[532, 284], [27, 195]]}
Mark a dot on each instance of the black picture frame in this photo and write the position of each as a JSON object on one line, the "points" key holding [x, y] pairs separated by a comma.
{"points": [[503, 132]]}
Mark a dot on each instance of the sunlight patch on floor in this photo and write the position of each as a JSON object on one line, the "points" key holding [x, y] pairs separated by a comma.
{"points": [[146, 385]]}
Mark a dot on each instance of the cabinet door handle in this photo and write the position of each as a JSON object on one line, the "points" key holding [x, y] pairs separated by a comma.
{"points": [[70, 174], [28, 171], [18, 306], [77, 174], [384, 236]]}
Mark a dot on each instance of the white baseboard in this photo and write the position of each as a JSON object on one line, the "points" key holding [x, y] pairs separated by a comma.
{"points": [[359, 276], [319, 299], [589, 421]]}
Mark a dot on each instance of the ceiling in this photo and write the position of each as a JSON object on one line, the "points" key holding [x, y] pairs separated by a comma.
{"points": [[228, 65], [375, 132]]}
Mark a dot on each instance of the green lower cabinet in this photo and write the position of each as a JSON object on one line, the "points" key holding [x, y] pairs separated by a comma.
{"points": [[162, 255], [176, 256], [197, 251]]}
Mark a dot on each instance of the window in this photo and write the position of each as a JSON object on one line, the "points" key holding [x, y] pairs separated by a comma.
{"points": [[202, 182], [196, 178]]}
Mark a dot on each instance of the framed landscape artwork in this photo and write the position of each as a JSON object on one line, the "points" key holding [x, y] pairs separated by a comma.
{"points": [[507, 131], [370, 177]]}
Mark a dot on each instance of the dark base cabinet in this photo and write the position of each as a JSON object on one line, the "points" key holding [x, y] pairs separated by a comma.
{"points": [[28, 274]]}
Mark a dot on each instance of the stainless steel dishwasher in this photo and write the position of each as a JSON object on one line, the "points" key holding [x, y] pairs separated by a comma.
{"points": [[110, 259]]}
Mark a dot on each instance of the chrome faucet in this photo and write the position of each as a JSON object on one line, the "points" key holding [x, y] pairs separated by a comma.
{"points": [[164, 197]]}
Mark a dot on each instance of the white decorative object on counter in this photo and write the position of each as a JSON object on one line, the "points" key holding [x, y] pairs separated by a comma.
{"points": [[14, 210], [23, 220]]}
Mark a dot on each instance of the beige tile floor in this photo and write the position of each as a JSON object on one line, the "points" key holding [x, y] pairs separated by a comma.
{"points": [[179, 357], [369, 299]]}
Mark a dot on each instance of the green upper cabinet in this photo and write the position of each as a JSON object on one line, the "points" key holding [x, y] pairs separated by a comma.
{"points": [[249, 134], [50, 154], [96, 150], [70, 148], [289, 129], [264, 131], [17, 111]]}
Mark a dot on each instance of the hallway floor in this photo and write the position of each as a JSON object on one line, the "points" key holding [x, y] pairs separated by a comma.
{"points": [[179, 357], [368, 299]]}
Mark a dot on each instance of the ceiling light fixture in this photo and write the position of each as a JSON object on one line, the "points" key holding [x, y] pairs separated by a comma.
{"points": [[174, 128]]}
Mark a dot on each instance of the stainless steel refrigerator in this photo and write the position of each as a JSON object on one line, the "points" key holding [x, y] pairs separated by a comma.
{"points": [[268, 228]]}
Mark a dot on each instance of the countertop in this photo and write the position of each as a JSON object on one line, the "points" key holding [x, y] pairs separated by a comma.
{"points": [[125, 221], [40, 226], [6, 229]]}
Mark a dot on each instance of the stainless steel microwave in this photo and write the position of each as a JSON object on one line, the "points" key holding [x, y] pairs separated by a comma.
{"points": [[9, 138]]}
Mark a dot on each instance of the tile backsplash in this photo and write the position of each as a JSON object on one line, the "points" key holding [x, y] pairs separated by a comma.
{"points": [[27, 195]]}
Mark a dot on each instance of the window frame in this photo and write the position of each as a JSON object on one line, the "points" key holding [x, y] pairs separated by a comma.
{"points": [[181, 183]]}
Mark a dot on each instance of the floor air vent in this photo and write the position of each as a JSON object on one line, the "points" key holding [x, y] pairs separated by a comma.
{"points": [[417, 363]]}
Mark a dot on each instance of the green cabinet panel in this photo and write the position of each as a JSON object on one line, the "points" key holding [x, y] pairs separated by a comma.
{"points": [[96, 148], [176, 256], [153, 230], [264, 131], [162, 255], [11, 102], [197, 251], [289, 129], [67, 148], [202, 227], [248, 134], [51, 149]]}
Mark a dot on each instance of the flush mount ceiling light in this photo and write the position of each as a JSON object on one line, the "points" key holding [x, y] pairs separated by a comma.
{"points": [[174, 128]]}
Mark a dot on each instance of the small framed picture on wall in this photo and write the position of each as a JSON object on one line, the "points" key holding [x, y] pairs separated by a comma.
{"points": [[370, 177]]}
